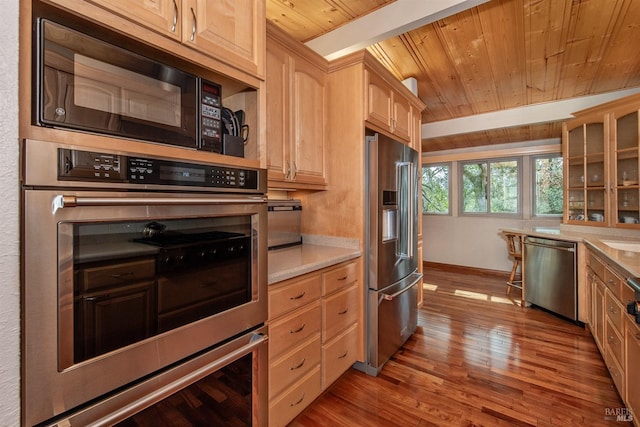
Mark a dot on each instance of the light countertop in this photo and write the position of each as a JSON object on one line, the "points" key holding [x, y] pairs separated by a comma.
{"points": [[627, 260], [294, 261]]}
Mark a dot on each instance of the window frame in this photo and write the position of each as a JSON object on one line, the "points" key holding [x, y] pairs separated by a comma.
{"points": [[449, 189], [488, 161]]}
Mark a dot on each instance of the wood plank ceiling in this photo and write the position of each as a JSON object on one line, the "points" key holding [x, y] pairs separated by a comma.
{"points": [[499, 55]]}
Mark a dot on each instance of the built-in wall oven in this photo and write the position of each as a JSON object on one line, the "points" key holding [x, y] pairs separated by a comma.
{"points": [[142, 276]]}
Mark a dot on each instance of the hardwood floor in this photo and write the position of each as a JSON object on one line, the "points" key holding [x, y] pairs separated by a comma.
{"points": [[477, 359]]}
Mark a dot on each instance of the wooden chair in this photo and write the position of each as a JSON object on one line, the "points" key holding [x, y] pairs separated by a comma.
{"points": [[514, 244]]}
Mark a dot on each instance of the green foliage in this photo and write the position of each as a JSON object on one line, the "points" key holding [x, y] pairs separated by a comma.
{"points": [[548, 189], [493, 187], [490, 187], [435, 189]]}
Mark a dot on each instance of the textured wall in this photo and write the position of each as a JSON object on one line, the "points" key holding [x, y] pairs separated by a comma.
{"points": [[9, 212]]}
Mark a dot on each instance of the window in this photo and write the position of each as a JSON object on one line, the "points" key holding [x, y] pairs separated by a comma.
{"points": [[547, 183], [435, 189], [491, 187]]}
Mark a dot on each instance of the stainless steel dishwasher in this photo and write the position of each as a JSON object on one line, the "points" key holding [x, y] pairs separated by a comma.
{"points": [[550, 275]]}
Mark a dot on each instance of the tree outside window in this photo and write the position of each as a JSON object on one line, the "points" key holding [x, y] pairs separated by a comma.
{"points": [[435, 189], [491, 187], [548, 191]]}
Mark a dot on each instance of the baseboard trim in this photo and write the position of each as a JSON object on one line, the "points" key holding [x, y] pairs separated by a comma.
{"points": [[463, 269]]}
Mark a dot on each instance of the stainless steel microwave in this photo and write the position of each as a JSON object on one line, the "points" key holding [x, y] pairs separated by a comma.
{"points": [[87, 83]]}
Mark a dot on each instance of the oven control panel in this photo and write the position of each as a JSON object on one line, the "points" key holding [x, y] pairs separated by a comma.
{"points": [[89, 166]]}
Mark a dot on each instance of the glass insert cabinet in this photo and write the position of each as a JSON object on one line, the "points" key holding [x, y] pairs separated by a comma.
{"points": [[601, 147]]}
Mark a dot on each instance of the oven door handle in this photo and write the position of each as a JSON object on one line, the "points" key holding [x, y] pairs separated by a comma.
{"points": [[256, 340], [62, 201]]}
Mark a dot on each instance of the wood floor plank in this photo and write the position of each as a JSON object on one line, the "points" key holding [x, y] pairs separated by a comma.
{"points": [[477, 359]]}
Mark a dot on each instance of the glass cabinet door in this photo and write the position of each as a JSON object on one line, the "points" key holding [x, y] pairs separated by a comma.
{"points": [[585, 182], [626, 169]]}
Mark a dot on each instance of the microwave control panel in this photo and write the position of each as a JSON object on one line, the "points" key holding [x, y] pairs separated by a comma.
{"points": [[210, 117], [89, 166]]}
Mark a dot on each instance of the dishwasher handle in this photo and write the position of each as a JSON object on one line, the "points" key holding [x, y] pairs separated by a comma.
{"points": [[560, 248]]}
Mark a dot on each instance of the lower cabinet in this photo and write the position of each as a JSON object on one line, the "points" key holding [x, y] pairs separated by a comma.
{"points": [[615, 332], [313, 336], [632, 361]]}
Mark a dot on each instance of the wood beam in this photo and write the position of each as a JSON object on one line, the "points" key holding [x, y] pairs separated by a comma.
{"points": [[543, 112], [389, 21]]}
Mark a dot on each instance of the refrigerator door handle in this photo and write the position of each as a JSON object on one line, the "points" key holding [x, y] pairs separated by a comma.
{"points": [[391, 297], [413, 279], [405, 181]]}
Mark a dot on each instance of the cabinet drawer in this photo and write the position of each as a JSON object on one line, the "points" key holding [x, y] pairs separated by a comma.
{"points": [[338, 355], [596, 265], [290, 404], [614, 344], [339, 311], [613, 282], [291, 295], [628, 295], [293, 329], [116, 274], [615, 311], [616, 372], [339, 278], [293, 366]]}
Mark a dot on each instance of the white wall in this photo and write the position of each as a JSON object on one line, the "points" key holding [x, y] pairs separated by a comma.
{"points": [[9, 212], [472, 242]]}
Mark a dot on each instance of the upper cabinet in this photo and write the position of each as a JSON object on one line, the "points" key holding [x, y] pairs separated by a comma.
{"points": [[162, 16], [586, 156], [296, 115], [624, 174], [601, 150], [232, 32], [386, 108]]}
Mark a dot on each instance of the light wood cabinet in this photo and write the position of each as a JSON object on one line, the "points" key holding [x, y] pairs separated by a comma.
{"points": [[314, 336], [632, 362], [163, 16], [341, 298], [597, 327], [233, 31], [294, 346], [601, 148], [616, 333], [586, 157], [386, 107], [229, 31], [296, 114]]}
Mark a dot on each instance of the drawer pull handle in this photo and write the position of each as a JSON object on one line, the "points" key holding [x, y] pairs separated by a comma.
{"points": [[298, 402], [295, 331], [343, 277], [343, 355], [123, 276], [612, 310], [299, 365], [343, 311], [208, 284], [638, 336], [298, 296]]}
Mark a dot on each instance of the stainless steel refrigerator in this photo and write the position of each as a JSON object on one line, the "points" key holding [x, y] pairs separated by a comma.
{"points": [[392, 276]]}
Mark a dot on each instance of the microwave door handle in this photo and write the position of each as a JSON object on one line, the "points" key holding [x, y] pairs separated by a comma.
{"points": [[62, 201]]}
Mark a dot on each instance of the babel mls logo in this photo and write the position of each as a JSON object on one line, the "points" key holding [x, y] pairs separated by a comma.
{"points": [[618, 414]]}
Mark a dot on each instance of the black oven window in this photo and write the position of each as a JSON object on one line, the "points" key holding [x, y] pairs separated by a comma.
{"points": [[222, 398], [136, 279]]}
